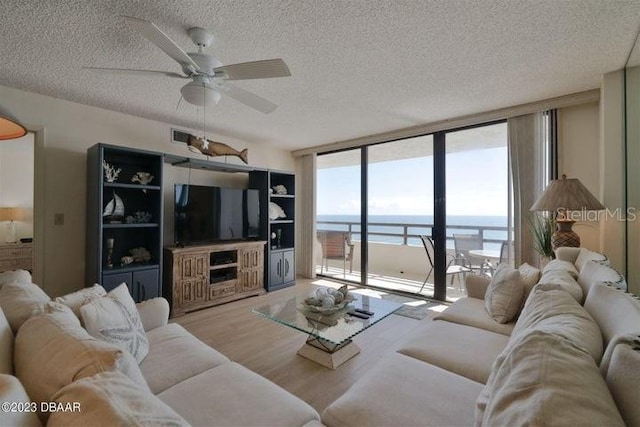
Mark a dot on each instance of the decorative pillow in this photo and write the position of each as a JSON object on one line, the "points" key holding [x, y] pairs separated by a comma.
{"points": [[115, 319], [20, 301], [623, 376], [560, 265], [12, 392], [616, 312], [112, 399], [587, 255], [564, 280], [545, 380], [530, 276], [504, 294], [77, 299], [52, 350], [20, 276], [596, 272], [6, 346], [554, 311]]}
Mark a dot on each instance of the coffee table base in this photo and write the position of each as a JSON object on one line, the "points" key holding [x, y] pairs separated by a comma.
{"points": [[316, 350]]}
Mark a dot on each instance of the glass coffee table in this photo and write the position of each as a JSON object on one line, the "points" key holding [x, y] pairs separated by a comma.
{"points": [[330, 335]]}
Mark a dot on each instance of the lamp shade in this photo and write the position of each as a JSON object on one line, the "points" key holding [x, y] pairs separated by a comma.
{"points": [[11, 214], [566, 194], [10, 128]]}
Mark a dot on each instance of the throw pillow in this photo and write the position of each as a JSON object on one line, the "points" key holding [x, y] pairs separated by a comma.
{"points": [[11, 391], [112, 399], [115, 319], [545, 380], [560, 265], [587, 255], [20, 301], [20, 276], [52, 350], [553, 310], [565, 281], [6, 346], [530, 276], [504, 294], [623, 376], [77, 299]]}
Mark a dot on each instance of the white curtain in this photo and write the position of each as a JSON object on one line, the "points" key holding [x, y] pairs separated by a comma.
{"points": [[306, 220], [527, 164]]}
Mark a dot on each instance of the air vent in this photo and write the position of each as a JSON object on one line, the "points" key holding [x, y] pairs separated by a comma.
{"points": [[179, 136]]}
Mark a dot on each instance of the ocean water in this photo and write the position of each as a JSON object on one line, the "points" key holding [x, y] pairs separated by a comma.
{"points": [[417, 224]]}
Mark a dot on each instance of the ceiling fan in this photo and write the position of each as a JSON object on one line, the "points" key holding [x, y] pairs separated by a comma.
{"points": [[208, 76]]}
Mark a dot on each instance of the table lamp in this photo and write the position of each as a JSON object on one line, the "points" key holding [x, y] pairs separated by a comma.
{"points": [[562, 196], [11, 215]]}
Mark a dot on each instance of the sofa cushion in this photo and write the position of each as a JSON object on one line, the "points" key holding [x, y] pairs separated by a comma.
{"points": [[587, 255], [595, 272], [530, 276], [6, 346], [555, 311], [19, 276], [397, 392], [471, 312], [623, 377], [447, 345], [175, 355], [231, 394], [154, 313], [20, 301], [53, 350], [565, 281], [503, 298], [546, 380], [561, 265], [624, 319], [111, 399], [77, 299], [12, 392], [112, 321]]}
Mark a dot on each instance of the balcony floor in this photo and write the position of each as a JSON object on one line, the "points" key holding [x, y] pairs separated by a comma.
{"points": [[403, 284]]}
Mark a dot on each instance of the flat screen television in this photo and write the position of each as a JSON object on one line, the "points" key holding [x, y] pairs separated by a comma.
{"points": [[212, 214]]}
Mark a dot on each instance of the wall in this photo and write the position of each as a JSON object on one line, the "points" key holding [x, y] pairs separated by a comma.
{"points": [[16, 182], [67, 130], [579, 157]]}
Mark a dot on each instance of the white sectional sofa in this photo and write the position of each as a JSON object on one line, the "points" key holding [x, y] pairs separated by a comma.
{"points": [[181, 381], [563, 362]]}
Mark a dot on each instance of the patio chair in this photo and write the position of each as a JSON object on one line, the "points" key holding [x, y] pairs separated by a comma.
{"points": [[336, 245], [455, 265], [463, 243]]}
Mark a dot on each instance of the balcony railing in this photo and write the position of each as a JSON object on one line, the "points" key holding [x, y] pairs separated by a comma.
{"points": [[385, 232]]}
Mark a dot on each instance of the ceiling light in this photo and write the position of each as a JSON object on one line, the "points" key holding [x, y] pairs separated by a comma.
{"points": [[10, 128], [200, 94]]}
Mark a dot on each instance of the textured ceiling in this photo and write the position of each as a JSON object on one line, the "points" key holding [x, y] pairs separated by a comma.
{"points": [[359, 67]]}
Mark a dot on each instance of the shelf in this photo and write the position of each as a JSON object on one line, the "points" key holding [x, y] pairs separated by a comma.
{"points": [[282, 221], [131, 186], [128, 268], [223, 283], [223, 266], [281, 249], [283, 196], [125, 225], [191, 163]]}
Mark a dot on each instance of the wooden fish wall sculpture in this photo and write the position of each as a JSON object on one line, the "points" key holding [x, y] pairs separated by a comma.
{"points": [[214, 148]]}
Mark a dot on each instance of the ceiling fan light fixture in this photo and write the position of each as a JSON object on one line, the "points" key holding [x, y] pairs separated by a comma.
{"points": [[200, 94]]}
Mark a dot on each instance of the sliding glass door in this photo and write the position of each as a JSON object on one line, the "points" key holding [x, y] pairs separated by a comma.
{"points": [[392, 215]]}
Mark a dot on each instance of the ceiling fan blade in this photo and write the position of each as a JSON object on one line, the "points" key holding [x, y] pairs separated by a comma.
{"points": [[247, 98], [135, 72], [254, 70], [160, 39]]}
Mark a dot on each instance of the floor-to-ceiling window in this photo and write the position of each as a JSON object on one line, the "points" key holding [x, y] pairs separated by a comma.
{"points": [[388, 244]]}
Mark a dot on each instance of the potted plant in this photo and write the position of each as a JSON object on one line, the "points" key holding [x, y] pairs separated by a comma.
{"points": [[542, 228]]}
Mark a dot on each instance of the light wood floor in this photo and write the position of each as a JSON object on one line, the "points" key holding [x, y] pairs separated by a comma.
{"points": [[269, 349]]}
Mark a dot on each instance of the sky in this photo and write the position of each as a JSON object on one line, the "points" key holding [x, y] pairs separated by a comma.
{"points": [[476, 183]]}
